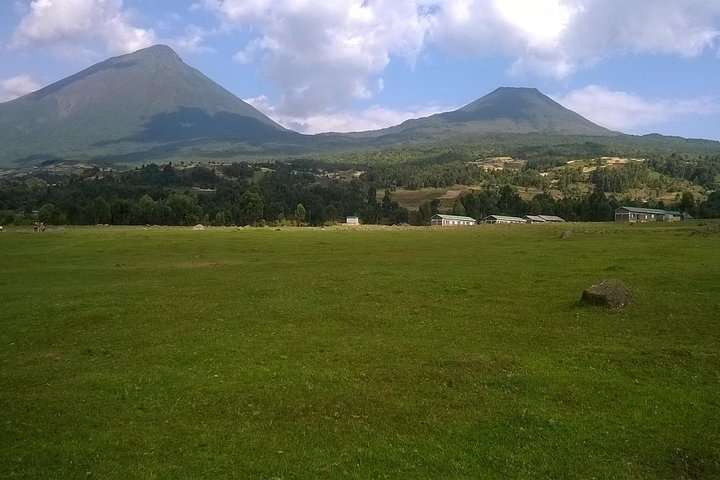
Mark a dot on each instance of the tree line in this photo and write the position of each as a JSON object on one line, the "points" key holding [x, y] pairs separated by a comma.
{"points": [[235, 194], [295, 193]]}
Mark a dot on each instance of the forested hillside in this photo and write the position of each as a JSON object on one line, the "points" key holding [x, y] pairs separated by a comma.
{"points": [[316, 192]]}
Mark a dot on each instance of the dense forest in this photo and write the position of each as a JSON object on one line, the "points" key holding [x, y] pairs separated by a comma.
{"points": [[309, 191]]}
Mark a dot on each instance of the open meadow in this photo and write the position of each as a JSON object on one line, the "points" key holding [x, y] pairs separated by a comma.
{"points": [[359, 353]]}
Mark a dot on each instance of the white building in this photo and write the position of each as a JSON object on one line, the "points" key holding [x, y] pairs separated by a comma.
{"points": [[451, 220], [503, 219], [636, 214]]}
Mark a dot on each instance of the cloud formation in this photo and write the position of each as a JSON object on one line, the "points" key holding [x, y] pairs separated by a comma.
{"points": [[68, 24], [330, 57], [17, 86], [325, 55], [374, 117], [556, 37], [627, 112]]}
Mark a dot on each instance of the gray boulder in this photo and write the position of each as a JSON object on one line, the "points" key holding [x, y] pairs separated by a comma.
{"points": [[611, 293]]}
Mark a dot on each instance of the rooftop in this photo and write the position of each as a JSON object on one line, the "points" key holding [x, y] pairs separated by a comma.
{"points": [[544, 218], [507, 218], [454, 217], [654, 211]]}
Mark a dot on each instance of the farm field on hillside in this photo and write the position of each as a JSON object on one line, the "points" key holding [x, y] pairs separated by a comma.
{"points": [[359, 353]]}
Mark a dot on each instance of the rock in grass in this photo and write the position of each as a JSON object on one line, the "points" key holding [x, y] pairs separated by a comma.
{"points": [[610, 293]]}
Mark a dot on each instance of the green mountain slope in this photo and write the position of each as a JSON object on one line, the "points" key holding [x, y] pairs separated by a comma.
{"points": [[150, 107], [132, 103], [506, 110]]}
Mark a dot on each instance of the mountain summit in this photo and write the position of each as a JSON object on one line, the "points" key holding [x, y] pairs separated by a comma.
{"points": [[527, 109], [506, 110], [131, 103], [149, 106]]}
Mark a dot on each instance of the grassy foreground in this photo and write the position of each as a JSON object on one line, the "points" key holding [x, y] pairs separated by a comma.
{"points": [[379, 353]]}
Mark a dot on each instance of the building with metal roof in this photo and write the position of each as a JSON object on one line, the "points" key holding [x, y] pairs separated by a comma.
{"points": [[503, 219], [638, 214], [442, 220], [543, 218]]}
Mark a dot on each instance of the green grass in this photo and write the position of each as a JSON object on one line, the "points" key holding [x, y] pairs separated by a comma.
{"points": [[368, 353]]}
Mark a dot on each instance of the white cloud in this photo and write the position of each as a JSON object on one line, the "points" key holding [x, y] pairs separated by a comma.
{"points": [[324, 57], [192, 41], [17, 86], [69, 25], [682, 27], [323, 54], [556, 37], [540, 21], [510, 27], [628, 112], [372, 118]]}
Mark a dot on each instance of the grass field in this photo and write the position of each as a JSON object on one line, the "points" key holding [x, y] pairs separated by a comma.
{"points": [[360, 353]]}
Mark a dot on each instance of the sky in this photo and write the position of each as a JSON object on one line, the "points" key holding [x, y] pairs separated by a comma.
{"points": [[636, 66]]}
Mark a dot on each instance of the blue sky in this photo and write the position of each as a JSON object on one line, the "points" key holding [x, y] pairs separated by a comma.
{"points": [[638, 66]]}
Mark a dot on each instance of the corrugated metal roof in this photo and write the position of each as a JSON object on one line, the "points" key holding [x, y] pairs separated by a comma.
{"points": [[551, 218], [544, 218], [653, 211], [506, 218], [453, 217], [656, 211]]}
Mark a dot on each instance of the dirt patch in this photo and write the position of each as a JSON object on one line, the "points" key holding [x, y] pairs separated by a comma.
{"points": [[451, 195]]}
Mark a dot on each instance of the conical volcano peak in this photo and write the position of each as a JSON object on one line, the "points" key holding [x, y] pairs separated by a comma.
{"points": [[523, 109], [532, 90], [511, 98], [505, 110], [155, 54], [158, 48], [156, 51], [127, 104]]}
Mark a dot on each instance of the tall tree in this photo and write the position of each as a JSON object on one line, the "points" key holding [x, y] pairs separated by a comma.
{"points": [[300, 214], [687, 202], [458, 208], [251, 207]]}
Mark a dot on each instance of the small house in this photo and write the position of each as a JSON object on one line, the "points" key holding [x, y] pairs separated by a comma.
{"points": [[451, 220], [352, 220], [503, 219]]}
